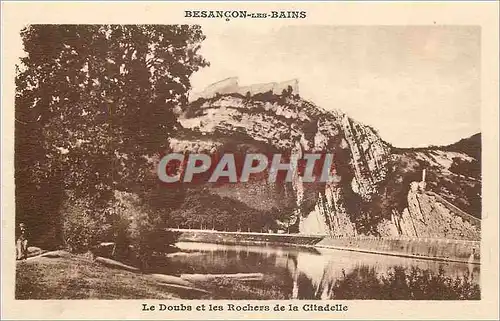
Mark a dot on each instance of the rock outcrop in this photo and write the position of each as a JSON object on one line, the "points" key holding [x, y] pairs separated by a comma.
{"points": [[428, 217], [369, 168]]}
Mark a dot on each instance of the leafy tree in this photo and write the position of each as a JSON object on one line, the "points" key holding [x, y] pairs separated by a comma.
{"points": [[202, 209], [94, 105]]}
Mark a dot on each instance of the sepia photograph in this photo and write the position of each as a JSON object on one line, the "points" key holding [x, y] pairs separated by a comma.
{"points": [[99, 109], [209, 164]]}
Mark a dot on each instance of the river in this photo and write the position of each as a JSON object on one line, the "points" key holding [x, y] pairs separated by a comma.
{"points": [[304, 272]]}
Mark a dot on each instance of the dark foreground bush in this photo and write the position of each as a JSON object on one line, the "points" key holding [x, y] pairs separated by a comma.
{"points": [[402, 283]]}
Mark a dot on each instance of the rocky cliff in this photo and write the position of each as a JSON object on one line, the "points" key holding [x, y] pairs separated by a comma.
{"points": [[373, 195]]}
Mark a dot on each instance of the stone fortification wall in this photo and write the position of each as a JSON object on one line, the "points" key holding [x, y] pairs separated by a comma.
{"points": [[231, 85]]}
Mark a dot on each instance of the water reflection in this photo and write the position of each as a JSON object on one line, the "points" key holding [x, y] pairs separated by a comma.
{"points": [[312, 273]]}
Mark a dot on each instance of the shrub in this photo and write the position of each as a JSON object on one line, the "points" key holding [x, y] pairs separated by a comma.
{"points": [[82, 227], [135, 228], [148, 236], [139, 231], [465, 167]]}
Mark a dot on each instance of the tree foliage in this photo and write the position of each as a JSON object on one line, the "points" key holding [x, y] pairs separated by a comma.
{"points": [[204, 210], [94, 104], [400, 283]]}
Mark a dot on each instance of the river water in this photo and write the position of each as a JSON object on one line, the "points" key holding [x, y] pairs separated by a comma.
{"points": [[301, 272]]}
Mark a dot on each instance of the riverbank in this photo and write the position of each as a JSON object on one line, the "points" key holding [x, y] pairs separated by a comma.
{"points": [[448, 250], [424, 248], [79, 277], [70, 277], [61, 275], [249, 238]]}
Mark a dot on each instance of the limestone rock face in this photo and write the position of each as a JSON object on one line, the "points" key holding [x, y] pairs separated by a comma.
{"points": [[427, 217], [282, 125], [364, 163], [334, 214]]}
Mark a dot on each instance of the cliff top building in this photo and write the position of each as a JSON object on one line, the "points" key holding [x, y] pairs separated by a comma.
{"points": [[231, 85]]}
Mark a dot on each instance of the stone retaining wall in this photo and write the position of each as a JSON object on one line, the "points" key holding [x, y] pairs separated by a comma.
{"points": [[220, 237], [425, 248], [439, 249]]}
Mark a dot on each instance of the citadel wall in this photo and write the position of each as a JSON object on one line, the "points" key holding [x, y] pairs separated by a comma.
{"points": [[231, 85]]}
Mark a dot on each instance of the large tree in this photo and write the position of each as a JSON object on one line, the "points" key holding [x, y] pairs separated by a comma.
{"points": [[94, 103]]}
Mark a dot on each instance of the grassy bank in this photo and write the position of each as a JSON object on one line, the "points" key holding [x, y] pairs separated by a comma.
{"points": [[78, 277], [227, 289]]}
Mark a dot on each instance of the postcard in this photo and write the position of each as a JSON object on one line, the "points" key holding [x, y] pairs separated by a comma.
{"points": [[249, 160]]}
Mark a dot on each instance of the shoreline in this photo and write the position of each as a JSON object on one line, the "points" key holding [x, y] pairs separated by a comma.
{"points": [[442, 250]]}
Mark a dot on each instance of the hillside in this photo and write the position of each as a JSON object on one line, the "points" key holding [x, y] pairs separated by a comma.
{"points": [[373, 197], [453, 171], [470, 146]]}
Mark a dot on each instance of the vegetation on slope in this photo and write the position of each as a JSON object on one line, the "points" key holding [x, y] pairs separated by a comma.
{"points": [[460, 182]]}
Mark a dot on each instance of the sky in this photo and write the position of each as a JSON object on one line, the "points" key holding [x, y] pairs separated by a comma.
{"points": [[417, 85]]}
